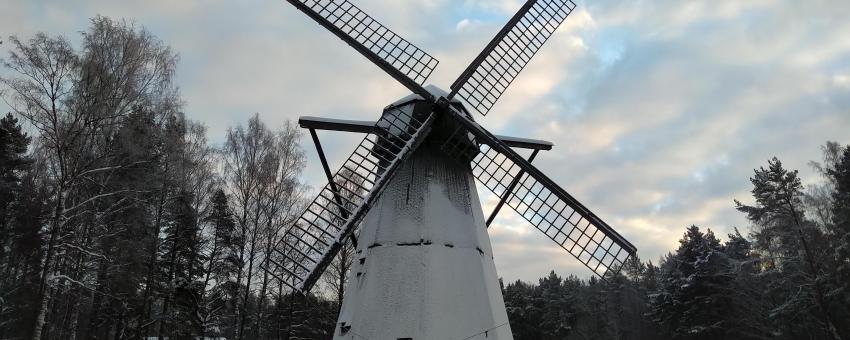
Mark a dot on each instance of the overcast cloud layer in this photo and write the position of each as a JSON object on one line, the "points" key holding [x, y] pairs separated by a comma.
{"points": [[659, 109]]}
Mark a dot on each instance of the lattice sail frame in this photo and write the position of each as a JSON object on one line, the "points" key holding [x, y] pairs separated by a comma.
{"points": [[358, 28], [304, 251], [487, 78], [546, 206], [307, 247], [549, 214]]}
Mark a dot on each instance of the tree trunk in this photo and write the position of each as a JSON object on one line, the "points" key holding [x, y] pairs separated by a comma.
{"points": [[119, 325], [43, 289], [73, 313], [203, 295], [261, 299], [244, 232], [249, 275], [150, 281], [291, 314], [172, 268], [97, 302]]}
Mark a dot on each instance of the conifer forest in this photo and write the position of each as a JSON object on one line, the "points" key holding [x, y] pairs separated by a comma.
{"points": [[119, 219]]}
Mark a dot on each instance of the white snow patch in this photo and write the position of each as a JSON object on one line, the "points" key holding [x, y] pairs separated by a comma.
{"points": [[432, 89]]}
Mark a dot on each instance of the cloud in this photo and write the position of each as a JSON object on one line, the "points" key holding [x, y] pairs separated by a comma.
{"points": [[467, 24], [841, 80], [661, 116], [659, 109]]}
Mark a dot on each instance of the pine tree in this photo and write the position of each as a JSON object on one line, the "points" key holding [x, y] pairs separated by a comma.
{"points": [[778, 211], [786, 237]]}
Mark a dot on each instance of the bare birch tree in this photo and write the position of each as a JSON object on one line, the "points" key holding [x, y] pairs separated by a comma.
{"points": [[75, 102], [245, 154]]}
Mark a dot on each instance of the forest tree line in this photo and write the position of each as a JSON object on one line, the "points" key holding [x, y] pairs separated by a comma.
{"points": [[119, 219], [787, 278]]}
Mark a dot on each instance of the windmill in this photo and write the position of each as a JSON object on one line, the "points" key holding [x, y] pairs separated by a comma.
{"points": [[423, 264]]}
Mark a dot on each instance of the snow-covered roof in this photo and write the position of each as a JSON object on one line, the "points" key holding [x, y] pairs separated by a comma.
{"points": [[432, 89]]}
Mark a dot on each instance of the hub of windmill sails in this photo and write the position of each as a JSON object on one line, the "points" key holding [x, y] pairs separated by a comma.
{"points": [[446, 133]]}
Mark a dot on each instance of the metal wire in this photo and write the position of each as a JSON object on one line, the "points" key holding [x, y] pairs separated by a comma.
{"points": [[398, 52], [537, 204], [481, 88], [309, 244]]}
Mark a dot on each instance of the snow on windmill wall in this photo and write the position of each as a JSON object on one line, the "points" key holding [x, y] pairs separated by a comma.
{"points": [[424, 266]]}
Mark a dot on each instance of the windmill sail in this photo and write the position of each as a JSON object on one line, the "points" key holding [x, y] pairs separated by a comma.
{"points": [[308, 246], [490, 74], [543, 203], [405, 62]]}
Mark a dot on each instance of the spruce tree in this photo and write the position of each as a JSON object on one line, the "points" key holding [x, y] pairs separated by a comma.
{"points": [[691, 302], [523, 312], [558, 307], [13, 162], [13, 159], [221, 265], [22, 204], [181, 265]]}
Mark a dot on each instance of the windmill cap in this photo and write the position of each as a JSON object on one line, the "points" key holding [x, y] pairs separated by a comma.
{"points": [[433, 89]]}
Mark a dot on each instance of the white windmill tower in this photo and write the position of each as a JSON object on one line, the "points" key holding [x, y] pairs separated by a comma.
{"points": [[424, 266]]}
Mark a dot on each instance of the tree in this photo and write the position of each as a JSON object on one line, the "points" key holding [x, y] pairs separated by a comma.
{"points": [[818, 197], [181, 265], [261, 169], [21, 205], [221, 264], [749, 319], [76, 102], [14, 143], [558, 315], [523, 313], [280, 206], [692, 297], [188, 169], [336, 275], [45, 68], [784, 234], [244, 153], [840, 177], [112, 226], [840, 232], [13, 163]]}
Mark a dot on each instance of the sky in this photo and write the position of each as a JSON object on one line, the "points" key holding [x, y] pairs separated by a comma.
{"points": [[659, 109]]}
